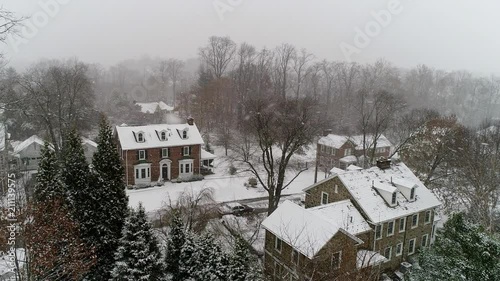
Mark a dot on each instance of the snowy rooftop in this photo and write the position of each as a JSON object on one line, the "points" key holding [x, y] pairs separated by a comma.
{"points": [[23, 145], [127, 136], [354, 168], [337, 141], [366, 258], [336, 171], [360, 185], [309, 230], [349, 159], [89, 142], [150, 107], [207, 155], [344, 215]]}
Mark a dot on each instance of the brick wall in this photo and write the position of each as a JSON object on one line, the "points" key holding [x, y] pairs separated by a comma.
{"points": [[130, 158], [313, 196]]}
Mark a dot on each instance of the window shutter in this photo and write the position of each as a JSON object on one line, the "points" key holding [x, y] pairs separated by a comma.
{"points": [[161, 149], [146, 154], [168, 152], [190, 150], [137, 154]]}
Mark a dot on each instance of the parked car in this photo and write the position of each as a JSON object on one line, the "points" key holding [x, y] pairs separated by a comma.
{"points": [[236, 209]]}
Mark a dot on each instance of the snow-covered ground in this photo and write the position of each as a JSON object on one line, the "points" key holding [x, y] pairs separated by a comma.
{"points": [[225, 187]]}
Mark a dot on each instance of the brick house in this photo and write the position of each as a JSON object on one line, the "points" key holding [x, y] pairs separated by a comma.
{"points": [[362, 221], [160, 152], [341, 151]]}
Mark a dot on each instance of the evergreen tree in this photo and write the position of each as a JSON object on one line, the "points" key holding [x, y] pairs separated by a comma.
{"points": [[79, 184], [48, 185], [138, 256], [175, 242], [462, 251], [202, 259], [239, 264], [111, 198]]}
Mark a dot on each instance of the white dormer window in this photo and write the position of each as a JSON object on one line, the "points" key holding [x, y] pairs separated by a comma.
{"points": [[163, 135], [184, 134], [393, 200], [140, 137]]}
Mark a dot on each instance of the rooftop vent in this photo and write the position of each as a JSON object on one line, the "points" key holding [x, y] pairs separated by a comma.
{"points": [[326, 132], [384, 164]]}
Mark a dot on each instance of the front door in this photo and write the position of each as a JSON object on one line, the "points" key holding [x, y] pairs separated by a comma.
{"points": [[164, 172]]}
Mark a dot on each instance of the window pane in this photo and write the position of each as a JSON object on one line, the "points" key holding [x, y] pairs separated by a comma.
{"points": [[143, 173]]}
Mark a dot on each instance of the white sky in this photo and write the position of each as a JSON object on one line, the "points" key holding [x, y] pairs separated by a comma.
{"points": [[446, 34]]}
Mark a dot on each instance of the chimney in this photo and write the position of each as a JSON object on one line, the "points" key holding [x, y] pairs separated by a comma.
{"points": [[190, 121], [326, 132], [383, 163]]}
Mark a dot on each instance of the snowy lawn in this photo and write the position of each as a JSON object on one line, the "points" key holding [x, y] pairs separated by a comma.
{"points": [[225, 187]]}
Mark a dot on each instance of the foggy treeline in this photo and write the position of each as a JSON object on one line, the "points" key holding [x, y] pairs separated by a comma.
{"points": [[214, 87]]}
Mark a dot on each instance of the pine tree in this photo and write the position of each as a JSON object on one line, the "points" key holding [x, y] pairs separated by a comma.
{"points": [[239, 264], [111, 198], [175, 242], [202, 259], [48, 185], [138, 256]]}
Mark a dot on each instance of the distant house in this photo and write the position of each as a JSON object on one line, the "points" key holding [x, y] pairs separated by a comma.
{"points": [[29, 152], [161, 152], [342, 151], [89, 148], [153, 107], [360, 221]]}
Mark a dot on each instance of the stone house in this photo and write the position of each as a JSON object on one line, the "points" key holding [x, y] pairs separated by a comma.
{"points": [[384, 212], [160, 152], [342, 151]]}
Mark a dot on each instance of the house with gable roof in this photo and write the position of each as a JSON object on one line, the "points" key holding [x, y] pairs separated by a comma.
{"points": [[363, 221], [161, 152], [341, 151]]}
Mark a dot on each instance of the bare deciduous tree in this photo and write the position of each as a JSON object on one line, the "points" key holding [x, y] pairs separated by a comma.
{"points": [[275, 130], [218, 54]]}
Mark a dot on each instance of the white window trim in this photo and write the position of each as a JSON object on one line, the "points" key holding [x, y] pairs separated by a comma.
{"points": [[147, 178], [347, 150], [404, 225], [184, 162], [426, 240], [340, 260], [164, 155], [401, 250], [184, 151], [390, 252], [430, 217], [418, 217], [336, 188], [381, 231], [414, 246], [327, 197], [144, 154], [276, 239], [393, 225], [140, 134], [161, 135]]}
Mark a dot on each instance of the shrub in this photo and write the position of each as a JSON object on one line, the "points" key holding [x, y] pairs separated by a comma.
{"points": [[232, 170], [252, 182]]}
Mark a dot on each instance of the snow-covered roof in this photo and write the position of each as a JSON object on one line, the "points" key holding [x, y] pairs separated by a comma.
{"points": [[349, 159], [361, 185], [365, 258], [26, 143], [89, 142], [353, 168], [309, 230], [337, 141], [205, 155], [150, 107], [344, 215], [336, 171], [127, 136]]}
